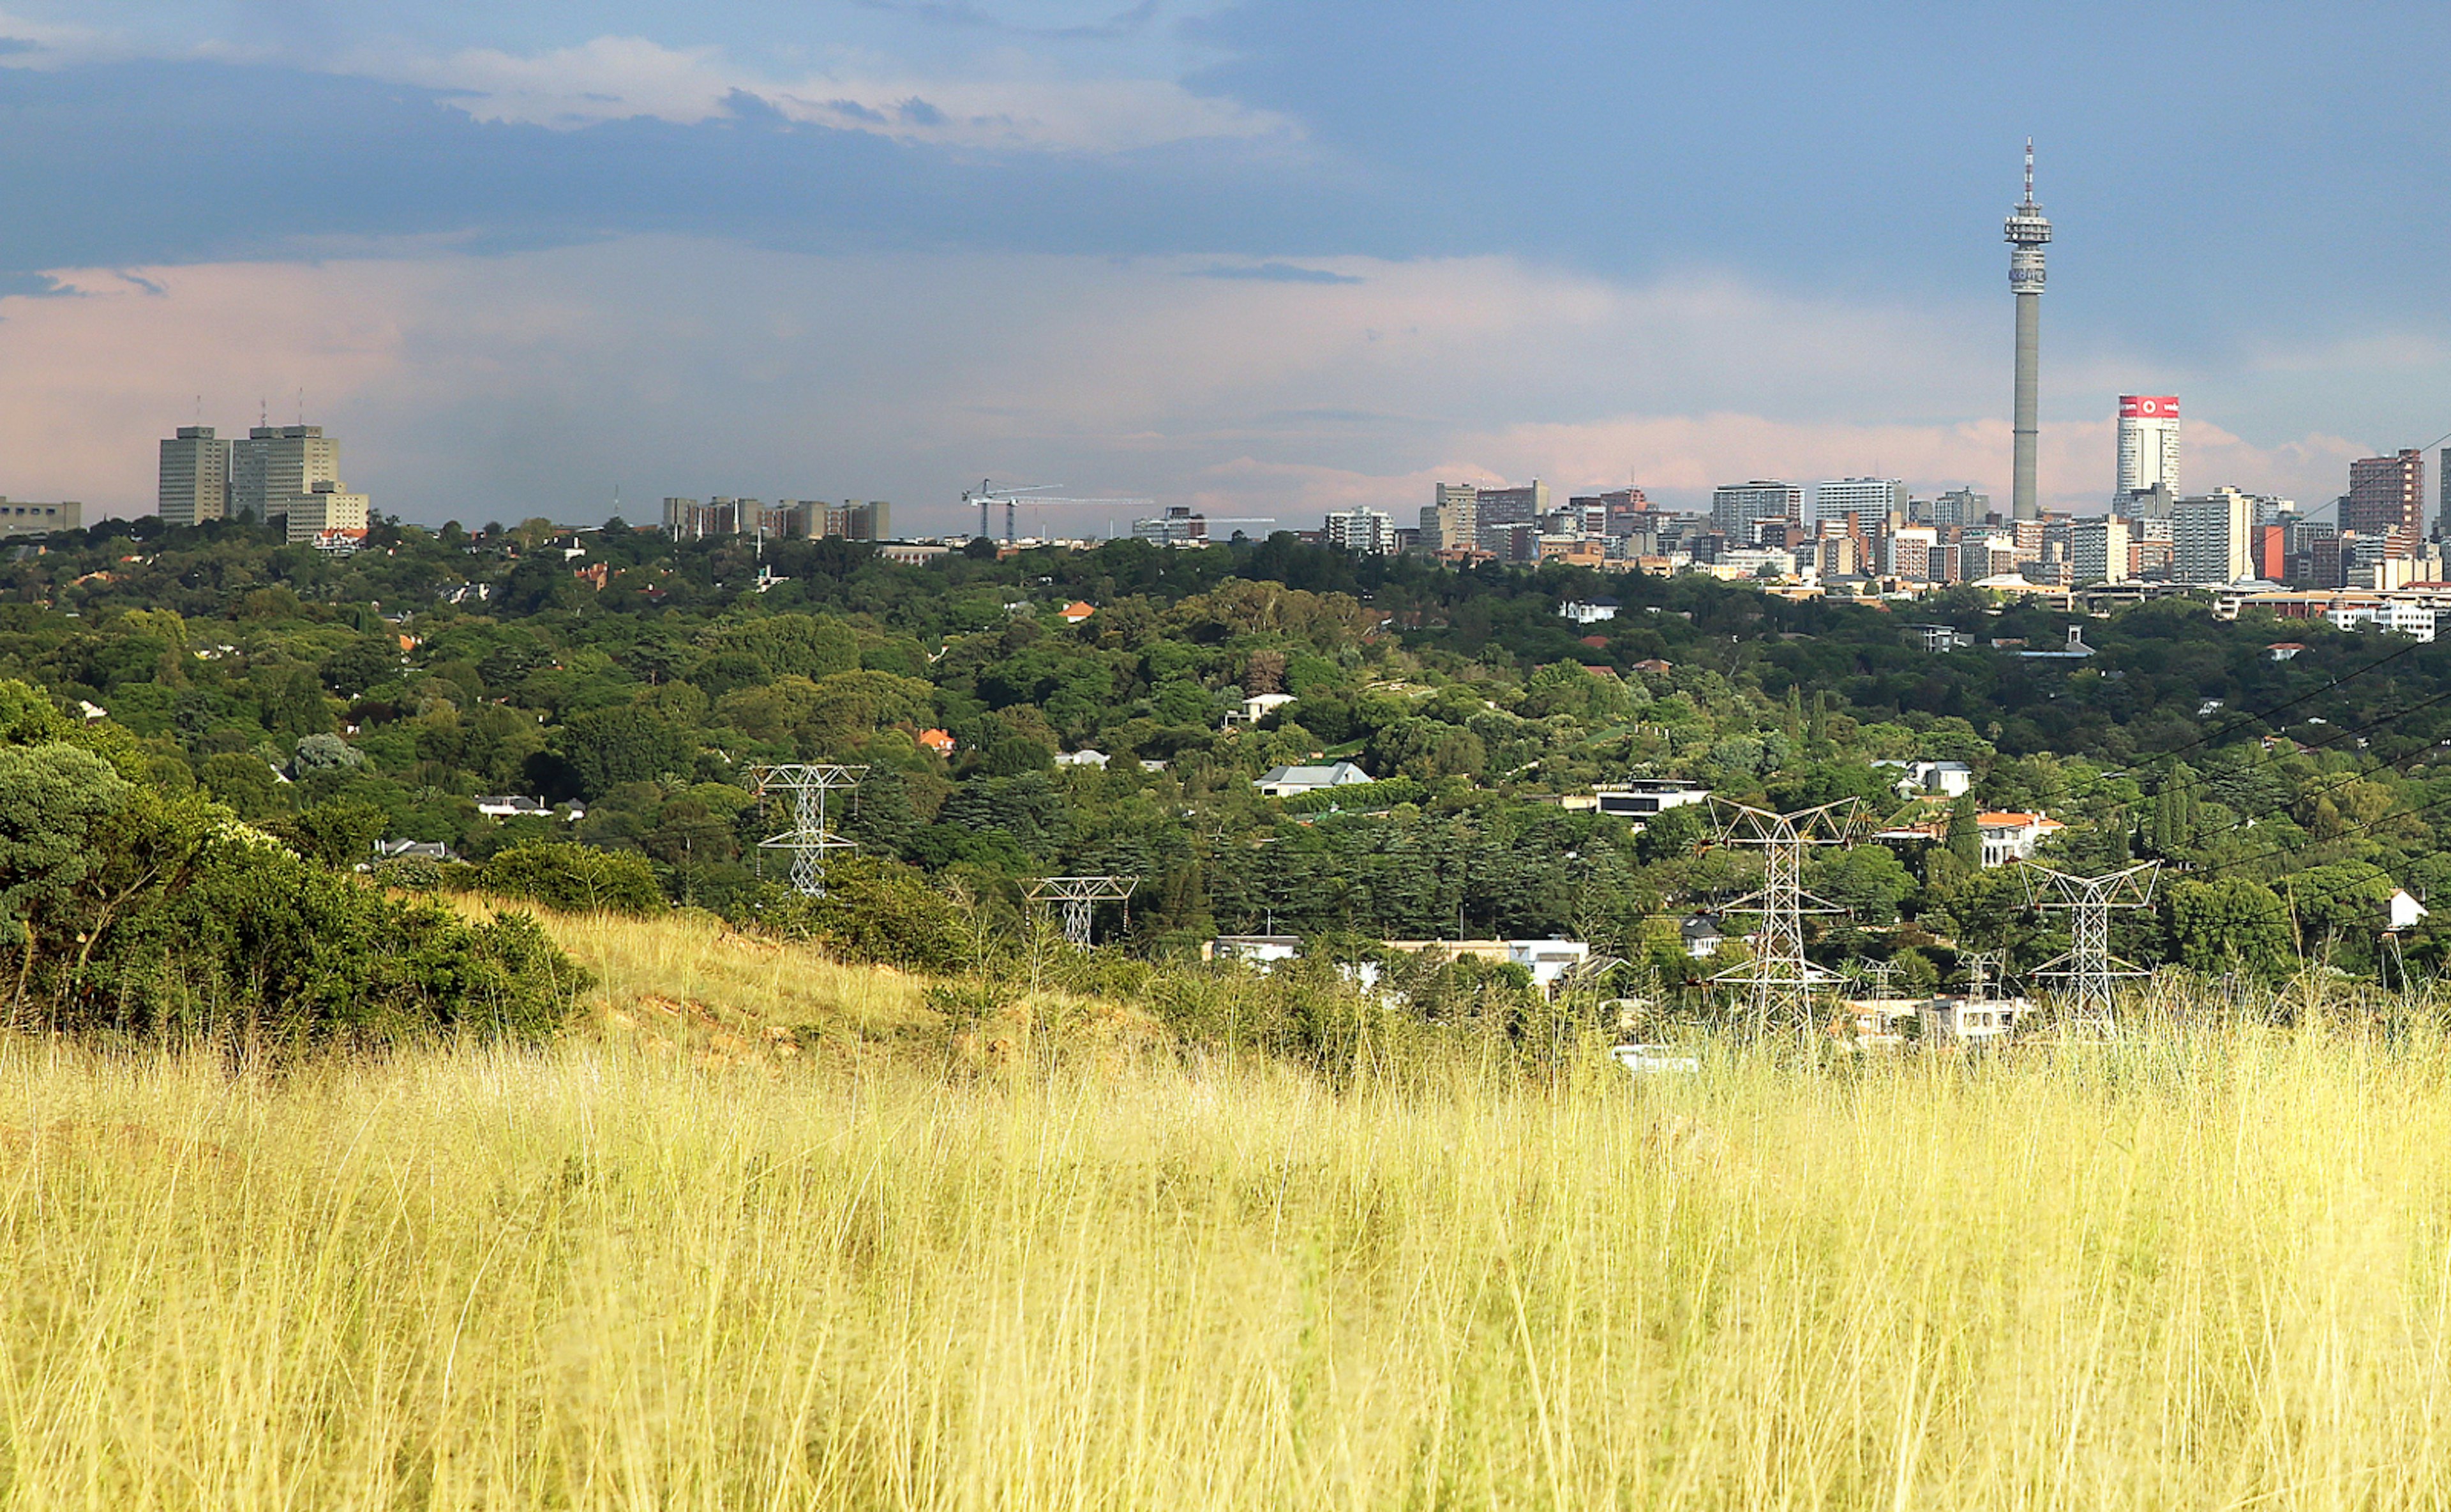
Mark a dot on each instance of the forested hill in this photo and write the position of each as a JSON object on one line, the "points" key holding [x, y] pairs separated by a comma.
{"points": [[340, 701]]}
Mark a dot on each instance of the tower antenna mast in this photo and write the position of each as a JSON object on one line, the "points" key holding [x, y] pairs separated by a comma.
{"points": [[2028, 233]]}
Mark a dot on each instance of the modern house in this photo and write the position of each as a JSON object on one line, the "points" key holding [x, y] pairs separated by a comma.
{"points": [[1292, 782], [1257, 707], [2011, 837], [1649, 797]]}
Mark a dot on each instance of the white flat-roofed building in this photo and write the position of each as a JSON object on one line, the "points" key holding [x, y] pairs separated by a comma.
{"points": [[1649, 797], [1364, 532]]}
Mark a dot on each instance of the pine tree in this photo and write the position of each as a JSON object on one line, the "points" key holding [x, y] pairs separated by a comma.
{"points": [[1965, 840]]}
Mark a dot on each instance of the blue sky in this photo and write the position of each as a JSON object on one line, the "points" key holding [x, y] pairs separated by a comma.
{"points": [[1268, 256]]}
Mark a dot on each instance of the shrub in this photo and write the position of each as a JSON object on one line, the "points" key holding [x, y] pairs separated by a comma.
{"points": [[574, 879], [878, 910]]}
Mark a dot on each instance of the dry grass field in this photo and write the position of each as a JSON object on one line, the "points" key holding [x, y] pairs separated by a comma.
{"points": [[2189, 1271]]}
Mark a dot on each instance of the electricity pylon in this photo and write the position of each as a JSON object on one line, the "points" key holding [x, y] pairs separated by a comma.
{"points": [[1079, 895], [2090, 972], [1779, 981], [807, 839]]}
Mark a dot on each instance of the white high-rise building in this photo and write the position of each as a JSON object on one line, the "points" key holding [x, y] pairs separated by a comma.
{"points": [[277, 463], [2212, 536], [1871, 500], [1737, 507], [1364, 532], [2148, 442]]}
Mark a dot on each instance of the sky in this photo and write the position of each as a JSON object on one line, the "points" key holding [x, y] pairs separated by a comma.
{"points": [[1261, 258]]}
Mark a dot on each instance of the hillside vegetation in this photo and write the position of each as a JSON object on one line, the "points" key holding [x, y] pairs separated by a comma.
{"points": [[335, 702]]}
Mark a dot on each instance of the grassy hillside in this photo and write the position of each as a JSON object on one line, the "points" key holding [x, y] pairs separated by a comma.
{"points": [[2204, 1271]]}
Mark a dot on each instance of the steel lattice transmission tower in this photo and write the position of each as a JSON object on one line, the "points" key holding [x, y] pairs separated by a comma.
{"points": [[1079, 895], [807, 839], [1779, 981], [2090, 972]]}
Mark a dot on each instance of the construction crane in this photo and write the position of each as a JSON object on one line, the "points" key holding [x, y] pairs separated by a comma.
{"points": [[987, 495]]}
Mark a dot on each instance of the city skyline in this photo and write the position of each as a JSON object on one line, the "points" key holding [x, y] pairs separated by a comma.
{"points": [[1220, 255]]}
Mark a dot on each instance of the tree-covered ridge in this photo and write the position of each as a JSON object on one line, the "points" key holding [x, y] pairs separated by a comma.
{"points": [[339, 701]]}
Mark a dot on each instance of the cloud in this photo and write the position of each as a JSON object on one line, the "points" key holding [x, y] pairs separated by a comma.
{"points": [[537, 383], [1028, 107], [1275, 273]]}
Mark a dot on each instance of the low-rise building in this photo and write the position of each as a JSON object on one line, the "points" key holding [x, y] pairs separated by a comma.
{"points": [[1293, 781], [1262, 950], [1257, 707], [1588, 611], [1649, 797], [1095, 759], [22, 516], [2010, 836]]}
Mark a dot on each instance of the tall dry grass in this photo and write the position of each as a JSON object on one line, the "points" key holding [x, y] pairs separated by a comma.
{"points": [[2209, 1272]]}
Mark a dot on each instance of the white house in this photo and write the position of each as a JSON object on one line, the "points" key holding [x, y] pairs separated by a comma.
{"points": [[1703, 936], [1949, 779], [1972, 1020], [1588, 611], [510, 805], [1262, 950], [2402, 911], [1083, 759], [1548, 960], [1291, 783], [1649, 797], [2011, 837], [1257, 707]]}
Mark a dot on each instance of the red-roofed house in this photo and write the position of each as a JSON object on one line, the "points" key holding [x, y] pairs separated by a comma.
{"points": [[1077, 611], [937, 740]]}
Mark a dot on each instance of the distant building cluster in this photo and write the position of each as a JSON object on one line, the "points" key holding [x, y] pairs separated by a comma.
{"points": [[784, 520], [287, 475]]}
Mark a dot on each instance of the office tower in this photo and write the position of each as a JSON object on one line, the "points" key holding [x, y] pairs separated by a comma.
{"points": [[2098, 549], [1498, 510], [1737, 508], [1620, 511], [1363, 532], [2212, 538], [854, 520], [195, 477], [2026, 233], [1179, 526], [2148, 446], [2386, 498], [1453, 520], [279, 462], [1869, 501], [1959, 507]]}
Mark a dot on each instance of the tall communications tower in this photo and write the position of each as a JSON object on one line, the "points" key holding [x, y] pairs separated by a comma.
{"points": [[2027, 232]]}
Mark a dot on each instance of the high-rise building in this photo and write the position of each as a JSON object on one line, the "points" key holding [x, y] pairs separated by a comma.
{"points": [[1453, 520], [1363, 532], [1737, 508], [1869, 501], [1499, 509], [2098, 550], [2443, 503], [1622, 511], [2212, 538], [2026, 233], [2386, 496], [195, 484], [2148, 442], [854, 520], [278, 462]]}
